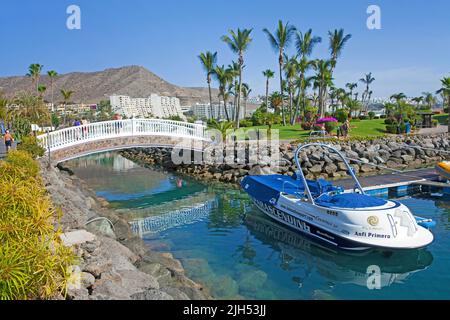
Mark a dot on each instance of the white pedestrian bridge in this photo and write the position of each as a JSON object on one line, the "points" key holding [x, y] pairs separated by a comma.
{"points": [[65, 144]]}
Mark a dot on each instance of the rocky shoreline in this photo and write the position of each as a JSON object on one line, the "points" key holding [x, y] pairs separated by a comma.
{"points": [[116, 265], [374, 157]]}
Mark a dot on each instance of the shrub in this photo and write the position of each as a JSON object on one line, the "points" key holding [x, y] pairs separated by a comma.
{"points": [[34, 263], [22, 128], [30, 145], [363, 117], [341, 115], [391, 128], [434, 122], [330, 126], [316, 127], [307, 125], [371, 115], [244, 123], [389, 121]]}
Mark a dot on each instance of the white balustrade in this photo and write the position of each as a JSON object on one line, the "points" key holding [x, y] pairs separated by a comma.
{"points": [[120, 128]]}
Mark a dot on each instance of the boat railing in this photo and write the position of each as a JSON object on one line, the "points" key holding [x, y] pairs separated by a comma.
{"points": [[301, 175]]}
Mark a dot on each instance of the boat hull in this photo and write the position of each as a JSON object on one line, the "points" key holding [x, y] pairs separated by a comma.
{"points": [[313, 231]]}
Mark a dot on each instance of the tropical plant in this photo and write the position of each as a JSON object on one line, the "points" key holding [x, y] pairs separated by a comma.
{"points": [[268, 74], [34, 72], [224, 127], [246, 91], [67, 95], [208, 61], [290, 69], [52, 76], [32, 108], [30, 144], [337, 41], [279, 41], [41, 90], [322, 79], [429, 99], [445, 91], [34, 263], [239, 42], [351, 87], [367, 81], [225, 78]]}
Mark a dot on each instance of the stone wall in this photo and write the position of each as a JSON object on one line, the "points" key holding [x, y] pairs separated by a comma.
{"points": [[399, 153], [117, 265]]}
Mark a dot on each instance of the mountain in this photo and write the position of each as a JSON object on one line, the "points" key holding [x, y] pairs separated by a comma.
{"points": [[92, 87]]}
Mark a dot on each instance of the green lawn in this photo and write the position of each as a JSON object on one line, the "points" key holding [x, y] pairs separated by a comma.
{"points": [[361, 128], [442, 118]]}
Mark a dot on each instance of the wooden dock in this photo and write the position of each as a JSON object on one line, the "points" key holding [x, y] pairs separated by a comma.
{"points": [[384, 181]]}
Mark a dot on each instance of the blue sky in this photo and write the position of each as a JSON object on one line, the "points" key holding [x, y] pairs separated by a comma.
{"points": [[409, 54]]}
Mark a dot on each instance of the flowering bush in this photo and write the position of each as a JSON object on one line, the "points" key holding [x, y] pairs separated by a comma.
{"points": [[326, 119]]}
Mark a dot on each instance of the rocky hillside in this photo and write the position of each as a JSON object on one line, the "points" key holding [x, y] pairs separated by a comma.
{"points": [[92, 87]]}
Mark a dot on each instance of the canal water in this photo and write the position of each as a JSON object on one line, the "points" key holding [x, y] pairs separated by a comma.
{"points": [[226, 244]]}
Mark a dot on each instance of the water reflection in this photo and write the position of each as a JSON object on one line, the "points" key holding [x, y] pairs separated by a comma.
{"points": [[297, 251]]}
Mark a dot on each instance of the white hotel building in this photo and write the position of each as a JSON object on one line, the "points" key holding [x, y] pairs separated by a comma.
{"points": [[154, 106], [203, 111]]}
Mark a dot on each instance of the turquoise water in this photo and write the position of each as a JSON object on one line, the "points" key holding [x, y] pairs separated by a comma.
{"points": [[226, 244]]}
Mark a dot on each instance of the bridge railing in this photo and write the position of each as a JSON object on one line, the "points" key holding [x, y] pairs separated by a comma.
{"points": [[120, 128]]}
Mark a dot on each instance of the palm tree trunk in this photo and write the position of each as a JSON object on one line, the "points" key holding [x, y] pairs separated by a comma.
{"points": [[281, 90], [238, 106], [267, 93], [226, 111], [210, 99], [290, 105]]}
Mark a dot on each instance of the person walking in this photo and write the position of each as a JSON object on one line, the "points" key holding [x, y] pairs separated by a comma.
{"points": [[8, 138]]}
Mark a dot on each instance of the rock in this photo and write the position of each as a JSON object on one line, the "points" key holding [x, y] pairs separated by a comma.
{"points": [[316, 169], [252, 281], [330, 168], [407, 159], [87, 279], [224, 287], [102, 227], [78, 237], [366, 168], [151, 294]]}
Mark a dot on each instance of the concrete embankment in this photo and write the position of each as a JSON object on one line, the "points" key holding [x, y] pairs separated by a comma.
{"points": [[114, 263], [373, 157]]}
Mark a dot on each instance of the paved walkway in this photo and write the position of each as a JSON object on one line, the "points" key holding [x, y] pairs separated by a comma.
{"points": [[439, 129], [3, 149]]}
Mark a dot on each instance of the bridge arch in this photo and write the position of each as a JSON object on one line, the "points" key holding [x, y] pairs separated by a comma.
{"points": [[74, 142]]}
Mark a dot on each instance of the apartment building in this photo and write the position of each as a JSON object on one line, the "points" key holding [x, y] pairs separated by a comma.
{"points": [[154, 106]]}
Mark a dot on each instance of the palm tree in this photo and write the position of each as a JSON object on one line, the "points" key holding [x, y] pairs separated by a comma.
{"points": [[323, 79], [34, 72], [41, 90], [276, 100], [268, 74], [445, 91], [224, 77], [239, 43], [245, 94], [67, 95], [52, 75], [290, 69], [418, 101], [399, 98], [337, 43], [208, 61], [367, 80], [280, 41], [222, 127], [429, 98], [32, 108], [302, 83], [351, 87], [305, 43]]}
